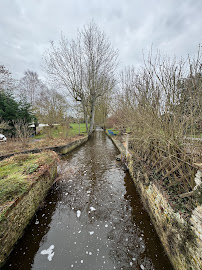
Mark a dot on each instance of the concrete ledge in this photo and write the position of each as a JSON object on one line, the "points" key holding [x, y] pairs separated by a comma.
{"points": [[62, 149]]}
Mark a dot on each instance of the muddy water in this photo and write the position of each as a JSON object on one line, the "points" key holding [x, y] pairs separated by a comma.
{"points": [[92, 219]]}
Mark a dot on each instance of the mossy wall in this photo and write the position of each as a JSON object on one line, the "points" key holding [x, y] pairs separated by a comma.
{"points": [[20, 213], [182, 240]]}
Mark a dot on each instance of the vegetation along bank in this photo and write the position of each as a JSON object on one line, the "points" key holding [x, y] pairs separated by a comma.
{"points": [[180, 233], [25, 181]]}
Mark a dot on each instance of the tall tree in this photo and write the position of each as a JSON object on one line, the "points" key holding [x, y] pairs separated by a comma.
{"points": [[51, 107], [85, 66], [30, 86], [6, 80]]}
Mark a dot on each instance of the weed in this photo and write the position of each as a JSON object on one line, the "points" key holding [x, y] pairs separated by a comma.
{"points": [[14, 180], [32, 168]]}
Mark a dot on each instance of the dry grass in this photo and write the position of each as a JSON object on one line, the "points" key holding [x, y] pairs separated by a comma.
{"points": [[15, 146]]}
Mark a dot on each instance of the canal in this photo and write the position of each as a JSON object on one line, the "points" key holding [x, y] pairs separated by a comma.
{"points": [[92, 219]]}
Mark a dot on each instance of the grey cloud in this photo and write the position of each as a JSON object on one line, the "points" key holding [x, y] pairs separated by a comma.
{"points": [[27, 27]]}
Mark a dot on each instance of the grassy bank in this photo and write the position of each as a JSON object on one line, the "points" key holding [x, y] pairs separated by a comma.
{"points": [[59, 136], [18, 173], [74, 129], [61, 132]]}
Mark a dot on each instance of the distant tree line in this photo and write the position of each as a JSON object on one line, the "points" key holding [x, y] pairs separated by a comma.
{"points": [[28, 101], [12, 109]]}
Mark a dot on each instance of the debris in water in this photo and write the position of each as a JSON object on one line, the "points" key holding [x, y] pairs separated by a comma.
{"points": [[37, 221], [142, 267], [49, 252], [92, 208], [91, 233], [78, 213]]}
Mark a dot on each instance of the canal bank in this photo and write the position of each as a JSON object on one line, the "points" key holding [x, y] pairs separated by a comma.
{"points": [[17, 212], [181, 239], [25, 181], [93, 218], [61, 149]]}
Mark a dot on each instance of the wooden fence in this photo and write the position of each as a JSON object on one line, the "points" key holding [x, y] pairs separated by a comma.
{"points": [[175, 166]]}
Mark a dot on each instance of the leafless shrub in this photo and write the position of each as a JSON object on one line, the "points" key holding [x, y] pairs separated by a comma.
{"points": [[3, 125], [161, 105], [23, 132]]}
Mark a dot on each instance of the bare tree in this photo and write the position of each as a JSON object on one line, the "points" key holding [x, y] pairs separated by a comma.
{"points": [[85, 66], [6, 80], [51, 108], [23, 132], [30, 86], [3, 125]]}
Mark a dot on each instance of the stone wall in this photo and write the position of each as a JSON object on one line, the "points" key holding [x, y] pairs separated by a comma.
{"points": [[20, 213], [182, 241]]}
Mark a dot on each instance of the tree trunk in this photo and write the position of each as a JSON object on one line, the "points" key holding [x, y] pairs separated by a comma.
{"points": [[85, 115], [92, 116]]}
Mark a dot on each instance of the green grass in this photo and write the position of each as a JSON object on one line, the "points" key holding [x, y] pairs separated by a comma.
{"points": [[57, 131], [15, 174], [74, 129]]}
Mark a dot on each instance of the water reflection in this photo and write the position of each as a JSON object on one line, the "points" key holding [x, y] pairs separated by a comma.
{"points": [[94, 219]]}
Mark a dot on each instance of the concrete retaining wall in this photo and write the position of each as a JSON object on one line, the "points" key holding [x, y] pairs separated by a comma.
{"points": [[19, 214], [182, 241], [62, 149]]}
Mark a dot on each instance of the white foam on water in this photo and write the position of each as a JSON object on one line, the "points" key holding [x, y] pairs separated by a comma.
{"points": [[49, 252], [78, 213]]}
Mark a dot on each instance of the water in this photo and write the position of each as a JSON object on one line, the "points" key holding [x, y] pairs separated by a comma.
{"points": [[92, 219]]}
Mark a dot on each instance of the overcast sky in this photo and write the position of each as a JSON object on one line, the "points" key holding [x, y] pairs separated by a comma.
{"points": [[28, 26]]}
